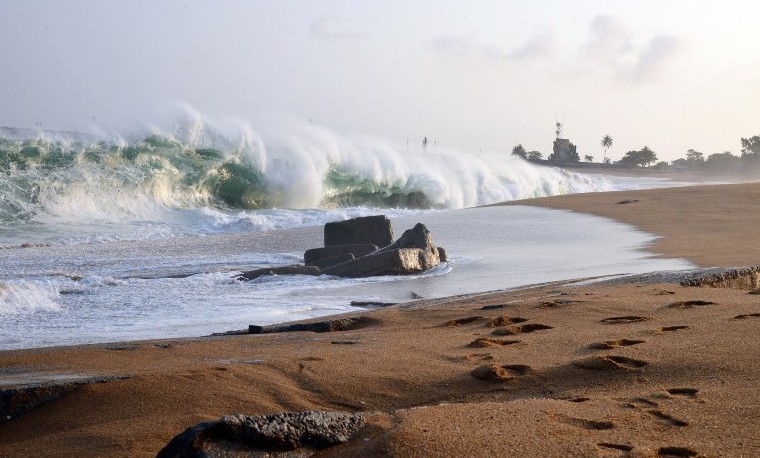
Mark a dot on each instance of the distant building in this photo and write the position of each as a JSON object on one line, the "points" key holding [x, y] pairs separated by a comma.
{"points": [[563, 149]]}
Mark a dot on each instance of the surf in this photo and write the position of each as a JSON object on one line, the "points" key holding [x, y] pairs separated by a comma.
{"points": [[196, 169]]}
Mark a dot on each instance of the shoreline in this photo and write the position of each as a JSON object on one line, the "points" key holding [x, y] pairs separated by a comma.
{"points": [[412, 369]]}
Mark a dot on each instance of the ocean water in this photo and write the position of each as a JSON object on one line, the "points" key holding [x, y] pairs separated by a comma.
{"points": [[141, 236]]}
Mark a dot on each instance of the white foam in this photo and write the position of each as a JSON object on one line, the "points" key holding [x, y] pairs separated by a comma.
{"points": [[21, 296]]}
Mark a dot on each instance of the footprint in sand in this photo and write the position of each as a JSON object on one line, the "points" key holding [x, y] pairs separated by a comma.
{"points": [[493, 307], [461, 321], [498, 373], [688, 392], [621, 447], [625, 319], [474, 357], [676, 452], [587, 424], [665, 329], [748, 315], [669, 419], [557, 303], [689, 304], [505, 320], [482, 342], [521, 329], [610, 344], [610, 363]]}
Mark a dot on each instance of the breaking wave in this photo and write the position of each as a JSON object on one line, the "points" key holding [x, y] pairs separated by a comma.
{"points": [[229, 167]]}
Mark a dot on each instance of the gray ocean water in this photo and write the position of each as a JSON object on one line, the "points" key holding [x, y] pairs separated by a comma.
{"points": [[127, 290]]}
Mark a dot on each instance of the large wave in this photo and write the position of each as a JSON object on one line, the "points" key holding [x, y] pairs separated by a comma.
{"points": [[198, 163]]}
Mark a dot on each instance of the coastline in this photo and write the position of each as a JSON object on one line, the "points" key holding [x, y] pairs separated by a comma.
{"points": [[412, 359]]}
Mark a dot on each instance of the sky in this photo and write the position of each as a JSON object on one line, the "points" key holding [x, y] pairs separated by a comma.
{"points": [[473, 75]]}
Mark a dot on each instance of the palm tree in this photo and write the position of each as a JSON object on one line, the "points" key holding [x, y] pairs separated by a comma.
{"points": [[606, 143]]}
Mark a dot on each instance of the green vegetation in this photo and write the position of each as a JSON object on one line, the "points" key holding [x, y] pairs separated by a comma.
{"points": [[606, 144], [519, 150], [640, 158], [751, 147], [722, 162], [535, 155], [694, 158], [725, 161]]}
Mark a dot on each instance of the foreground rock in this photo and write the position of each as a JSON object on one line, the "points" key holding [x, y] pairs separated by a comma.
{"points": [[338, 324], [351, 251], [335, 254], [375, 230], [265, 436], [414, 252]]}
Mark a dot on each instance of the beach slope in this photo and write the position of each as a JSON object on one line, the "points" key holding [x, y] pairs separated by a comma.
{"points": [[630, 369]]}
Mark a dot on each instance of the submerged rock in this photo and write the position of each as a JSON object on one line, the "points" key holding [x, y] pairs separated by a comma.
{"points": [[295, 269], [313, 256], [404, 261], [338, 324], [412, 253], [265, 436]]}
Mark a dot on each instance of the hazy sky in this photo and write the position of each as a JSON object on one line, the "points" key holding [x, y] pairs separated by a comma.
{"points": [[473, 75]]}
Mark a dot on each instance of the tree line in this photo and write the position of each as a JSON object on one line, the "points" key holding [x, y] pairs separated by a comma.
{"points": [[694, 160], [725, 161]]}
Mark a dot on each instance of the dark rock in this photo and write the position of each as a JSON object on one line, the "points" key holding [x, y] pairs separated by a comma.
{"points": [[372, 304], [376, 230], [416, 237], [403, 261], [338, 324], [442, 254], [412, 253], [356, 249], [295, 269], [739, 278], [265, 435], [324, 263]]}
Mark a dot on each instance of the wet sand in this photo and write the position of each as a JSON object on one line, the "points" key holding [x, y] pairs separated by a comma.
{"points": [[558, 370]]}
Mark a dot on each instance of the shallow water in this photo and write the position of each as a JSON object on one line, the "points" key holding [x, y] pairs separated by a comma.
{"points": [[116, 291]]}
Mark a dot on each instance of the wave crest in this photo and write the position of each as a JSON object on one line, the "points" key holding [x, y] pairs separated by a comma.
{"points": [[201, 164]]}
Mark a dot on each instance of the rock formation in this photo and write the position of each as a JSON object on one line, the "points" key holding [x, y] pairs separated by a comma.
{"points": [[376, 230], [283, 434], [351, 250]]}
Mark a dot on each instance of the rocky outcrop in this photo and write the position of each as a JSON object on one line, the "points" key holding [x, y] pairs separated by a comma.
{"points": [[324, 263], [338, 324], [376, 230], [279, 435], [405, 261], [311, 257], [412, 253], [295, 269], [351, 250]]}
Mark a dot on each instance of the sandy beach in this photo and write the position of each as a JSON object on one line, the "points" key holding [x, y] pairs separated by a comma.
{"points": [[563, 369]]}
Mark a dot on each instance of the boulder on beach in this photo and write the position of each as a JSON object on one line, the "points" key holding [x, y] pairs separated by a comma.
{"points": [[324, 263], [376, 230], [310, 257], [412, 253], [266, 435], [351, 251]]}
